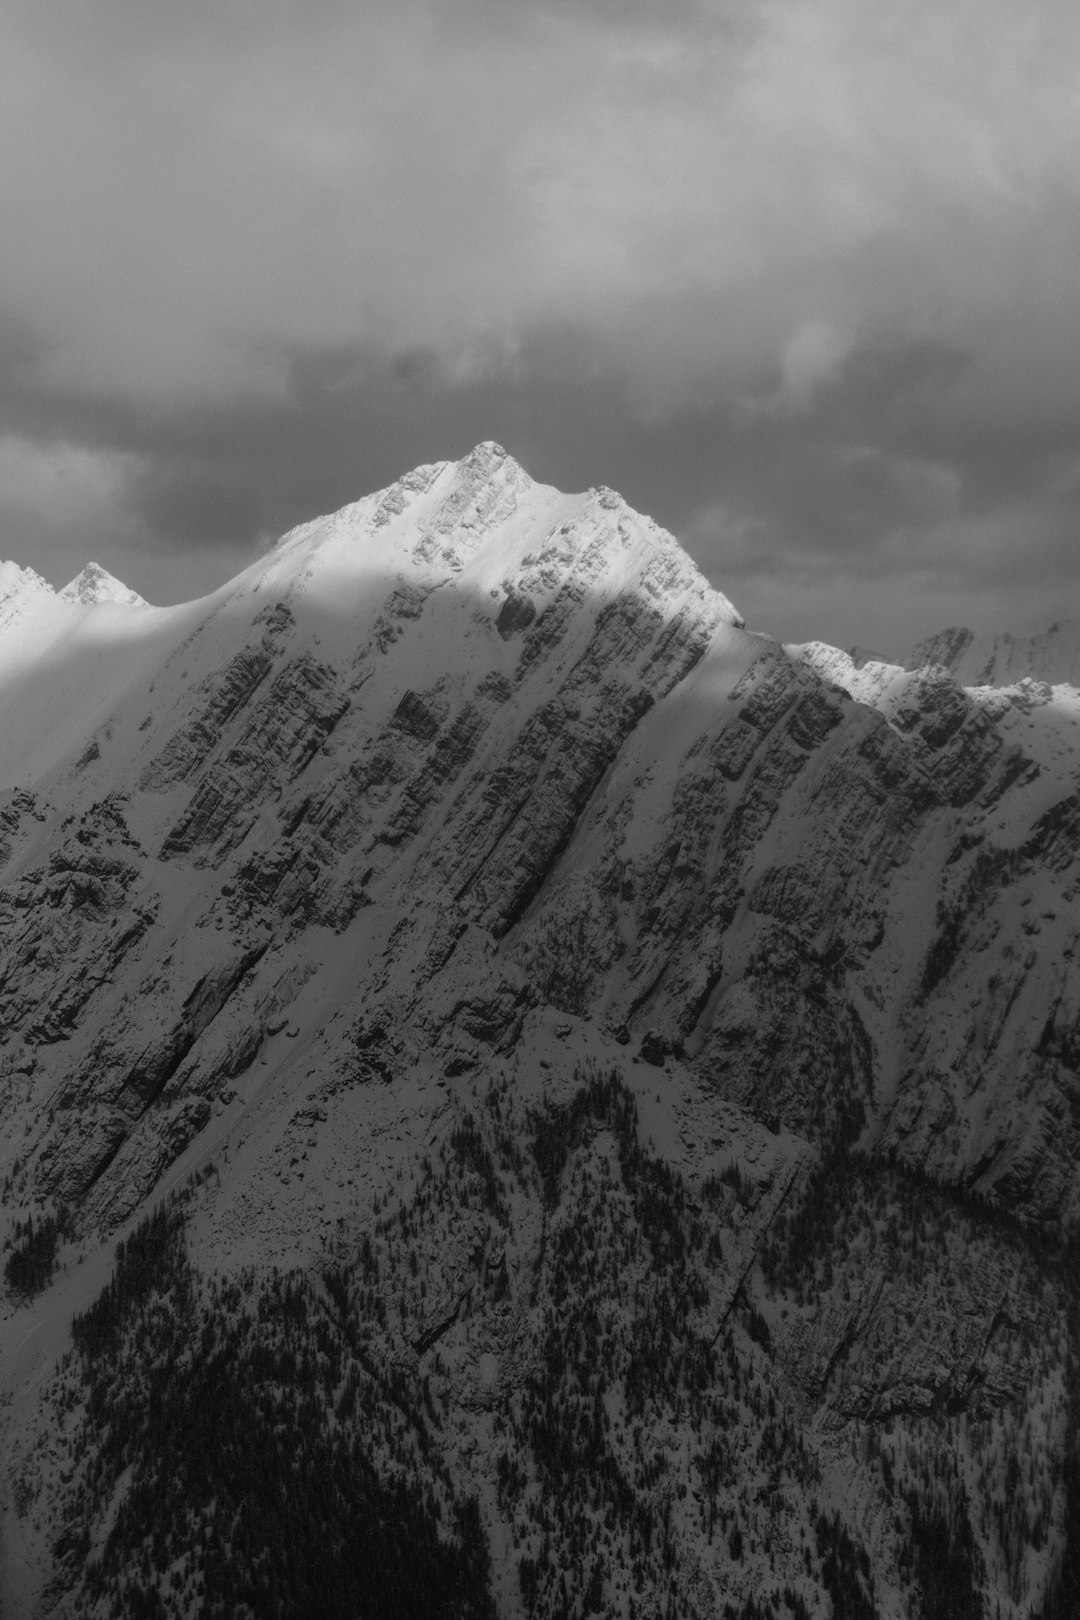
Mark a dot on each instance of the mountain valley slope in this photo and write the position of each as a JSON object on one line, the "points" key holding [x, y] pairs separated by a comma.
{"points": [[570, 1078]]}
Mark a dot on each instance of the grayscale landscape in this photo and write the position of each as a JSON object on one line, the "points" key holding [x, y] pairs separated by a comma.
{"points": [[540, 810], [523, 1096]]}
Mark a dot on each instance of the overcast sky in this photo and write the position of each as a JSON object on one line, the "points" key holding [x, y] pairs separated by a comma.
{"points": [[800, 278]]}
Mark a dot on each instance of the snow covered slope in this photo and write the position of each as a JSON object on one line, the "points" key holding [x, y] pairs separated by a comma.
{"points": [[467, 855]]}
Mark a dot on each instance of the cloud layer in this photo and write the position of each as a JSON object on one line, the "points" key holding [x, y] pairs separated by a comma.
{"points": [[815, 260]]}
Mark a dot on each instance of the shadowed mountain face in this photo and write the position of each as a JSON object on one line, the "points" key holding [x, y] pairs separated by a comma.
{"points": [[618, 1081]]}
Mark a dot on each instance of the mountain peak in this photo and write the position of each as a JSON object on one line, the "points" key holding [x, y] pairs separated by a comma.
{"points": [[1000, 660], [95, 585], [19, 589], [16, 581], [530, 1006], [486, 455]]}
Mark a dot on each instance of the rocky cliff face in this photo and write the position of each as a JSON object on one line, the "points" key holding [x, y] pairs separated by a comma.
{"points": [[656, 1051]]}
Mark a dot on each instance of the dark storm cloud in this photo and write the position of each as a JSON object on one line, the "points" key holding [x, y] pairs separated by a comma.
{"points": [[797, 278]]}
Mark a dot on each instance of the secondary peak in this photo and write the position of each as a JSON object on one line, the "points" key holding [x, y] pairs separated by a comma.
{"points": [[96, 585]]}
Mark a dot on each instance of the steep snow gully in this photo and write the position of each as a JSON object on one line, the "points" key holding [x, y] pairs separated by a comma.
{"points": [[540, 1066]]}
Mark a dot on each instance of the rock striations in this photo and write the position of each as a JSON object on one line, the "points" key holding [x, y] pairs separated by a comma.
{"points": [[574, 1080]]}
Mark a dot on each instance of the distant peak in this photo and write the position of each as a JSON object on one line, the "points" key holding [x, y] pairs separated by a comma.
{"points": [[861, 656], [1000, 660], [21, 582], [96, 585], [946, 648]]}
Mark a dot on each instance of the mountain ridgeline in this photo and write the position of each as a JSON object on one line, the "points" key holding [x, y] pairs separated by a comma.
{"points": [[524, 1098]]}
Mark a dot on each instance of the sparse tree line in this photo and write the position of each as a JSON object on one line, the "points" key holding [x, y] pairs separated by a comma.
{"points": [[35, 1248], [283, 1441]]}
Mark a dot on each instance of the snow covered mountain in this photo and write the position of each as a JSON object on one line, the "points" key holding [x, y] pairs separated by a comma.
{"points": [[984, 660], [614, 1081]]}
